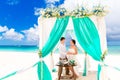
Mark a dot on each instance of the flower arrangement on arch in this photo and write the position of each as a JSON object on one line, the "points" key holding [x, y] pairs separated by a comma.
{"points": [[79, 12], [53, 12], [100, 10]]}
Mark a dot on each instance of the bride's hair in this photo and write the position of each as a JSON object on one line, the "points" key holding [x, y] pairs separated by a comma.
{"points": [[73, 41]]}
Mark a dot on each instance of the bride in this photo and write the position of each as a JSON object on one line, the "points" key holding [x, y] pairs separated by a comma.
{"points": [[72, 55]]}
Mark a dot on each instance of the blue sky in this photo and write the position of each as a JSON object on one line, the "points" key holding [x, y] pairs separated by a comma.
{"points": [[18, 21]]}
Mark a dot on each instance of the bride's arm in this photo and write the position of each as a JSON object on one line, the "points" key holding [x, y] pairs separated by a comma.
{"points": [[76, 51], [68, 52]]}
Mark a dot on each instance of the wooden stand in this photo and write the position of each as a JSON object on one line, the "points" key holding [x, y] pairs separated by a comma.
{"points": [[66, 66]]}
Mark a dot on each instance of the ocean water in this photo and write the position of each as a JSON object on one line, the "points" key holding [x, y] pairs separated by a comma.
{"points": [[19, 48], [111, 49]]}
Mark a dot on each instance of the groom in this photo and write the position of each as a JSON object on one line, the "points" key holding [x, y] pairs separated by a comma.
{"points": [[62, 52], [62, 48]]}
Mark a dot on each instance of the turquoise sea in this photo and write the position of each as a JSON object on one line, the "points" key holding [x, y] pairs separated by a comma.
{"points": [[19, 48], [111, 49]]}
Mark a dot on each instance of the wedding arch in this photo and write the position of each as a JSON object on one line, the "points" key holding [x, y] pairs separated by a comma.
{"points": [[90, 31]]}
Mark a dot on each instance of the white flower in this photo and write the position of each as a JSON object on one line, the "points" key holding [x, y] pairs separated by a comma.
{"points": [[79, 12]]}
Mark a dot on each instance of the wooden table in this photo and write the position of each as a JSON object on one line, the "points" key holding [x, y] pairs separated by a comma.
{"points": [[66, 66]]}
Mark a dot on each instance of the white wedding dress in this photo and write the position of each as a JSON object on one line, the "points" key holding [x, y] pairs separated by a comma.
{"points": [[74, 57]]}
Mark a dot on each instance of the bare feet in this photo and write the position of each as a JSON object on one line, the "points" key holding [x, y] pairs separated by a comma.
{"points": [[76, 76], [71, 77]]}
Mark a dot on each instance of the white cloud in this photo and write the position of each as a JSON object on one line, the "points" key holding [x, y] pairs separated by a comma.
{"points": [[0, 37], [117, 36], [114, 15], [49, 3], [13, 2], [112, 21], [12, 35], [52, 1], [3, 28], [113, 37], [32, 34], [73, 4], [69, 4], [37, 11], [113, 30], [113, 33], [29, 35]]}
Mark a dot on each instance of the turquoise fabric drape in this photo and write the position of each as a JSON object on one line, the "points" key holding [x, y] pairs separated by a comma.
{"points": [[88, 38], [56, 33], [43, 71], [85, 65]]}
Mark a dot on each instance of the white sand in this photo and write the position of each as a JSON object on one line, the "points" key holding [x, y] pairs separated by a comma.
{"points": [[14, 61]]}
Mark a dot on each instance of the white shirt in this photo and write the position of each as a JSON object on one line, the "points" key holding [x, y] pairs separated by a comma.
{"points": [[62, 50]]}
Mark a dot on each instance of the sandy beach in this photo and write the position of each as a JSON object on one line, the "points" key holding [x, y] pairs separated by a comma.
{"points": [[15, 61]]}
